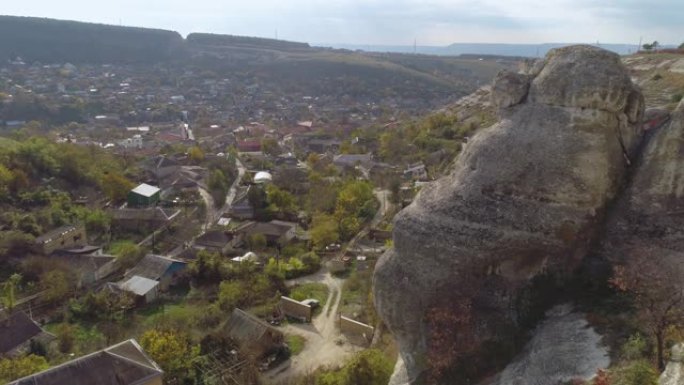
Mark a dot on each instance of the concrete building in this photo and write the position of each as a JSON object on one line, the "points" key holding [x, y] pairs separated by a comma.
{"points": [[143, 196]]}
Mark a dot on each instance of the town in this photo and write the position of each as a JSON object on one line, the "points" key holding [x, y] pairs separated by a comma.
{"points": [[205, 224]]}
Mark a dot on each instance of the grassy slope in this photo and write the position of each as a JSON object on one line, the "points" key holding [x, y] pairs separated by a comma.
{"points": [[660, 76]]}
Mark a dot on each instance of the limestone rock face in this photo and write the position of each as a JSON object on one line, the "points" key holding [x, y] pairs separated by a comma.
{"points": [[524, 200], [648, 221], [674, 372], [509, 89]]}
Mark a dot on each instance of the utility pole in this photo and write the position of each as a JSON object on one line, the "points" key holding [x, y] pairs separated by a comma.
{"points": [[639, 46]]}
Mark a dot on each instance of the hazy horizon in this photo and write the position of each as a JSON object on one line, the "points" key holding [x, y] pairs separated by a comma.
{"points": [[384, 22]]}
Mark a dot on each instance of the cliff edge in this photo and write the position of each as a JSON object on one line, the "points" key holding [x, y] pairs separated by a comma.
{"points": [[524, 202]]}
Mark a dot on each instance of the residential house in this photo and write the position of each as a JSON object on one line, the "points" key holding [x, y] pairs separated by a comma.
{"points": [[416, 171], [122, 364], [161, 167], [241, 208], [16, 332], [278, 233], [165, 270], [143, 219], [144, 290], [65, 237], [216, 241], [254, 336], [353, 160], [88, 263], [251, 145], [144, 195]]}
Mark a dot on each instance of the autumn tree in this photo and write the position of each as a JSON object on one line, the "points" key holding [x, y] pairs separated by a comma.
{"points": [[116, 186], [195, 154], [173, 350], [13, 368], [658, 291]]}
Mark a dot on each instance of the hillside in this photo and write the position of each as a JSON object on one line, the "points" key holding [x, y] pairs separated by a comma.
{"points": [[50, 41], [660, 76]]}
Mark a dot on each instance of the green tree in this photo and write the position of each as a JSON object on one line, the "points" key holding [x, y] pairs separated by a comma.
{"points": [[13, 368], [280, 201], [128, 254], [324, 231], [231, 294], [218, 187], [256, 241], [9, 297], [173, 350], [270, 146], [56, 285], [636, 373], [369, 367]]}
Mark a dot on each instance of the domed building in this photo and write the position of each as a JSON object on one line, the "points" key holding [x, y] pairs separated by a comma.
{"points": [[263, 177]]}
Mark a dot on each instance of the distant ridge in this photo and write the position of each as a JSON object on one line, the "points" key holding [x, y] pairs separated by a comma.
{"points": [[242, 41], [60, 41], [49, 40], [521, 50]]}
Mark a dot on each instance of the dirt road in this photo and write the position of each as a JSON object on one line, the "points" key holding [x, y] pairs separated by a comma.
{"points": [[324, 344]]}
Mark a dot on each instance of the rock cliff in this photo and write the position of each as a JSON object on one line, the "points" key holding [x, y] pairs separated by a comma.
{"points": [[524, 202]]}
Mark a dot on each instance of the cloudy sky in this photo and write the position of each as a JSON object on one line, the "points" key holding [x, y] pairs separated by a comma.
{"points": [[389, 22]]}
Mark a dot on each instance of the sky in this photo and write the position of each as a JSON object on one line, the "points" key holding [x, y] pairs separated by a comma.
{"points": [[386, 22]]}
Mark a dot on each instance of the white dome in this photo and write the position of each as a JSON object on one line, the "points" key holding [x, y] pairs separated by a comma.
{"points": [[262, 177]]}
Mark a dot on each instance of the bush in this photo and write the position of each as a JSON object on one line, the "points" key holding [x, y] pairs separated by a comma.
{"points": [[636, 373], [677, 97], [635, 348]]}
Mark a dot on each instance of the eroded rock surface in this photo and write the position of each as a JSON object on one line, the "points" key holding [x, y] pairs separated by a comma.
{"points": [[674, 372], [648, 218], [525, 199], [563, 348]]}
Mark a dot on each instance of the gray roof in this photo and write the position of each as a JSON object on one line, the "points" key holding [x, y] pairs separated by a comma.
{"points": [[152, 267], [147, 214], [245, 328], [145, 190], [58, 232], [139, 285], [122, 364], [16, 330]]}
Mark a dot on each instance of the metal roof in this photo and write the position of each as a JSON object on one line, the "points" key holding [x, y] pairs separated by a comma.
{"points": [[146, 190], [139, 285]]}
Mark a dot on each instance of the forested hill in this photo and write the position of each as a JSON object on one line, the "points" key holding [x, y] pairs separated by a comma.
{"points": [[59, 41], [210, 39]]}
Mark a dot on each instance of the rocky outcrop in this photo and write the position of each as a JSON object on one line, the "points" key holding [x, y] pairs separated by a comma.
{"points": [[648, 218], [563, 348], [525, 200], [674, 372]]}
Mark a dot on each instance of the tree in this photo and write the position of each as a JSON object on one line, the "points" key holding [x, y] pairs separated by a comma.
{"points": [[256, 241], [129, 254], [369, 367], [195, 154], [280, 201], [173, 350], [270, 146], [9, 297], [681, 46], [658, 294], [324, 231], [13, 368], [56, 285], [218, 187], [115, 186]]}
